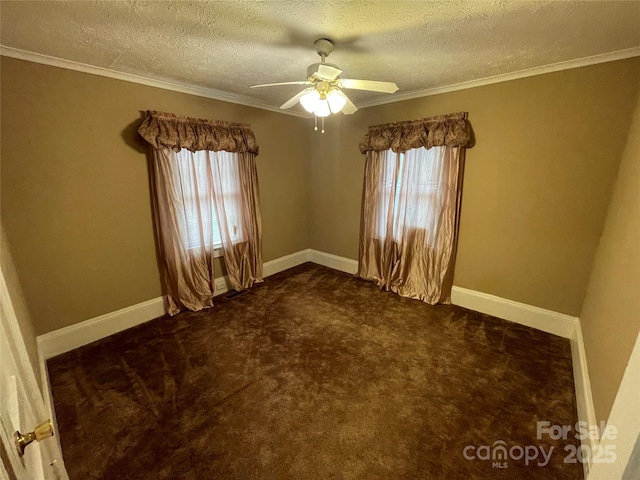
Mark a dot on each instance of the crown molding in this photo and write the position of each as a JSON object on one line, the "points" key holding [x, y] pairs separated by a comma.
{"points": [[505, 77], [246, 101], [150, 82]]}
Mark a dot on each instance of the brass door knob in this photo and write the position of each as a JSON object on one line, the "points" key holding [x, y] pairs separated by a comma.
{"points": [[42, 431]]}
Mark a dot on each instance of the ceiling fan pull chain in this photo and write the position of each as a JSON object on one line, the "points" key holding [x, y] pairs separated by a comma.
{"points": [[322, 124], [315, 119]]}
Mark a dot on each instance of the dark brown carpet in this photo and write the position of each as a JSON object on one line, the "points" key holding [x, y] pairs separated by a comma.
{"points": [[313, 375]]}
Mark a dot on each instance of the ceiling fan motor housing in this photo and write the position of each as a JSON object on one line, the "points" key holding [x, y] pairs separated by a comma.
{"points": [[312, 71]]}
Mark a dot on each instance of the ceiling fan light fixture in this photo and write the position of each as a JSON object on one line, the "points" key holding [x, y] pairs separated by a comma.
{"points": [[336, 99], [309, 101], [324, 94]]}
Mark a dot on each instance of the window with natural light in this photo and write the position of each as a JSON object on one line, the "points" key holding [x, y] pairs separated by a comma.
{"points": [[199, 221], [410, 182]]}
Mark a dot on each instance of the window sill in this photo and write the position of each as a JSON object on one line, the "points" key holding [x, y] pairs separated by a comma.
{"points": [[217, 250]]}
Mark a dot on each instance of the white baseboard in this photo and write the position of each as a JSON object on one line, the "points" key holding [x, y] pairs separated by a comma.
{"points": [[74, 336], [528, 315], [333, 261], [283, 263], [584, 399]]}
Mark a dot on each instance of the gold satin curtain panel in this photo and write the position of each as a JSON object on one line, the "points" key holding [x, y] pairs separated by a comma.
{"points": [[411, 204], [205, 197]]}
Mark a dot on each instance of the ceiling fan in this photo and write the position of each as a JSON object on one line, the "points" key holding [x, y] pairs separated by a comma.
{"points": [[324, 95]]}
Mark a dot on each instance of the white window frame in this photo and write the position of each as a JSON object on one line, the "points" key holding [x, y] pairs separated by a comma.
{"points": [[216, 246], [428, 194]]}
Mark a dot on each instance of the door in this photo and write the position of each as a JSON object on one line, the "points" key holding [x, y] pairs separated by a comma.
{"points": [[22, 407]]}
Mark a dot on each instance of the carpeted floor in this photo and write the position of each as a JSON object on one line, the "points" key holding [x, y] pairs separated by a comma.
{"points": [[316, 375]]}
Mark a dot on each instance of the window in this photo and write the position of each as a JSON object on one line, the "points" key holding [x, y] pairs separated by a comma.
{"points": [[410, 205], [409, 191], [200, 200], [199, 222]]}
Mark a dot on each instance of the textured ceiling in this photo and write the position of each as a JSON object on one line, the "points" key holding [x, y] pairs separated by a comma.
{"points": [[227, 46]]}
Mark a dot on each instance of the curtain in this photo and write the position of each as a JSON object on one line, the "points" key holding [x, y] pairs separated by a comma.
{"points": [[410, 206], [203, 199], [165, 130]]}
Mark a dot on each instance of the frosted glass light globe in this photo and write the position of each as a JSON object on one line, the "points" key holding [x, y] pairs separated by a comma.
{"points": [[336, 100], [322, 108], [309, 101]]}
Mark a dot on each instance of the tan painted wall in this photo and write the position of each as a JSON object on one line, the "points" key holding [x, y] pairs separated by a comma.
{"points": [[76, 209], [611, 312], [537, 183], [19, 305], [75, 196]]}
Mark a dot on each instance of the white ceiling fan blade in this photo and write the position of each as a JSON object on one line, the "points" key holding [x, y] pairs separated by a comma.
{"points": [[295, 99], [349, 107], [327, 72], [282, 83], [371, 85]]}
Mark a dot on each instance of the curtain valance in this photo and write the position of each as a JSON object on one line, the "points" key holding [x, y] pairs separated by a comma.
{"points": [[451, 130], [194, 134]]}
